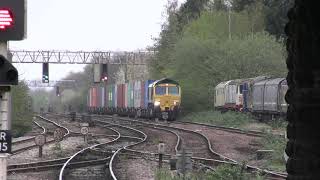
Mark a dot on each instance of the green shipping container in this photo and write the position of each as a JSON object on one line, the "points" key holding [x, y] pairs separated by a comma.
{"points": [[111, 95], [130, 94]]}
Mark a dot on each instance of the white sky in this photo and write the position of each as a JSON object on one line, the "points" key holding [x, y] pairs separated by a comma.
{"points": [[87, 25]]}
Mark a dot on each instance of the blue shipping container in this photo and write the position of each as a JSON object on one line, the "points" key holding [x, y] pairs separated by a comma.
{"points": [[146, 92]]}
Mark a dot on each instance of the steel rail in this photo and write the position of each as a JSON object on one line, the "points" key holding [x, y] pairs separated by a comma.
{"points": [[30, 138], [123, 148], [85, 149], [232, 161], [228, 129]]}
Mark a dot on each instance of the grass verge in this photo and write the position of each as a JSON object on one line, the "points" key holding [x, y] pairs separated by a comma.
{"points": [[222, 172], [277, 144], [236, 120]]}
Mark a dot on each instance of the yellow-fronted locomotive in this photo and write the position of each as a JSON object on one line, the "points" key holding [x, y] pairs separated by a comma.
{"points": [[164, 99]]}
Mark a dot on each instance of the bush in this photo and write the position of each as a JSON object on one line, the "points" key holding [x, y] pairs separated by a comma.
{"points": [[222, 172], [278, 144], [21, 110]]}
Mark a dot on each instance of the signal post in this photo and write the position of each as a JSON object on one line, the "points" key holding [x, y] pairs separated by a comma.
{"points": [[12, 27]]}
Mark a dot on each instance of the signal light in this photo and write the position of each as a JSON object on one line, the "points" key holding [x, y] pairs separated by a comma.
{"points": [[45, 73], [6, 19], [13, 20], [104, 78], [57, 91], [8, 73], [104, 72]]}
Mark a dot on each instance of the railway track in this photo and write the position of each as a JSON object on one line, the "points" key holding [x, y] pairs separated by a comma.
{"points": [[206, 160], [14, 143], [30, 141], [111, 148]]}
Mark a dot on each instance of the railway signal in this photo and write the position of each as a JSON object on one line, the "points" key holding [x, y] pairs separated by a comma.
{"points": [[100, 73], [104, 72], [12, 20], [8, 73], [45, 73], [57, 91]]}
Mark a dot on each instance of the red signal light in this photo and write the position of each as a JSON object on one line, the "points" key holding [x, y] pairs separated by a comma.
{"points": [[6, 19]]}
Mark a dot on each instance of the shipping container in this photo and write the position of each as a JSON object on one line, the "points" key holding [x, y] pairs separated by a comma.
{"points": [[146, 92], [106, 95], [94, 97], [100, 96], [142, 104], [115, 96], [137, 94], [89, 98], [111, 95], [130, 94], [125, 95], [120, 95]]}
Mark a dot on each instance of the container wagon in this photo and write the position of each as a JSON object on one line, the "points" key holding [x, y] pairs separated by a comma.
{"points": [[145, 99]]}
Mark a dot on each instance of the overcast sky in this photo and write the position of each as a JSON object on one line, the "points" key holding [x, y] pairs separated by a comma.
{"points": [[87, 25]]}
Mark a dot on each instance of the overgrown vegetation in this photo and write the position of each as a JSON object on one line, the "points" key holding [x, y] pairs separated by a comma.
{"points": [[222, 172], [228, 119], [277, 144], [21, 109], [236, 120]]}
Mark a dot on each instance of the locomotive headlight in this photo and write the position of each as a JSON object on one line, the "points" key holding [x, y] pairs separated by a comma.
{"points": [[157, 103]]}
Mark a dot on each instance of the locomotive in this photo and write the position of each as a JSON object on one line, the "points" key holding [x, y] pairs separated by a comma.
{"points": [[145, 99]]}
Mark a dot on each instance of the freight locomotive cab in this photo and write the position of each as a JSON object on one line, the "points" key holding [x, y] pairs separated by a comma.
{"points": [[164, 99]]}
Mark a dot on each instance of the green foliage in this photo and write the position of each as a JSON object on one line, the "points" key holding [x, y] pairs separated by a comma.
{"points": [[202, 55], [240, 5], [228, 119], [275, 13], [222, 172], [226, 172], [21, 109], [40, 99], [276, 16], [200, 64], [276, 143]]}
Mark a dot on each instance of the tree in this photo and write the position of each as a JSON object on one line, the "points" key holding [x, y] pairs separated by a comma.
{"points": [[276, 16], [21, 109], [240, 5], [204, 55], [274, 11]]}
